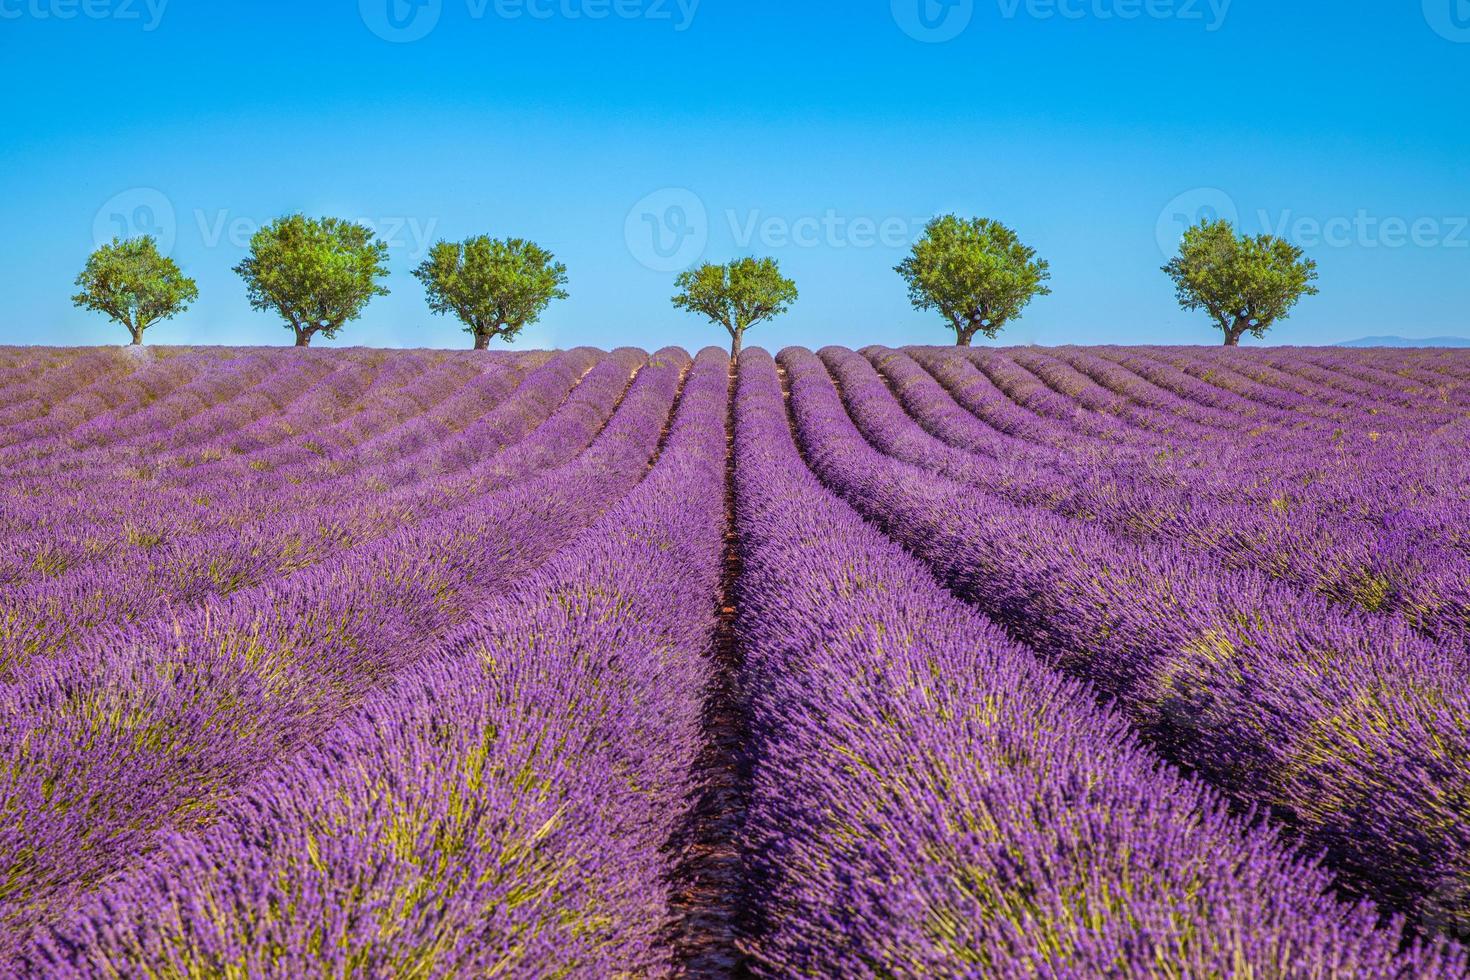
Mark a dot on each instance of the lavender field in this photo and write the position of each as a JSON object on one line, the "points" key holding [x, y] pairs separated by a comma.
{"points": [[1021, 662]]}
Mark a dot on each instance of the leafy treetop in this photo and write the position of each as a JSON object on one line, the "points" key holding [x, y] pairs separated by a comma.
{"points": [[132, 283], [738, 296], [494, 286], [1245, 283], [318, 274], [975, 272]]}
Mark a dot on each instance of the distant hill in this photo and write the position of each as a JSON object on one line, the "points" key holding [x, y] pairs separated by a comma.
{"points": [[1407, 342]]}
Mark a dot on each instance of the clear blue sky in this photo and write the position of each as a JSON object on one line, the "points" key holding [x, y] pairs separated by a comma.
{"points": [[820, 133]]}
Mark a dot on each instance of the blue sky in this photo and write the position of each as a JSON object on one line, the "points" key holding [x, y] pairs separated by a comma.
{"points": [[633, 136]]}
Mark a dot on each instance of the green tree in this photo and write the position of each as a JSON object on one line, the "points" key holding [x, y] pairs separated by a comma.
{"points": [[494, 286], [130, 282], [318, 274], [975, 272], [1246, 284], [737, 296]]}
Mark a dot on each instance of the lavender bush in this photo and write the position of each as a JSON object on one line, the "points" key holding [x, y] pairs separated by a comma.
{"points": [[999, 662]]}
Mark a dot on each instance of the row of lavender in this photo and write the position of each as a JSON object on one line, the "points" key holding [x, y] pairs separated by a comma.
{"points": [[499, 807], [1026, 392], [929, 799], [1353, 727], [458, 736], [1296, 534], [255, 532], [1040, 411], [146, 723]]}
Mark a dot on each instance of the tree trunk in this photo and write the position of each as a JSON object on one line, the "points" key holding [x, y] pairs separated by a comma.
{"points": [[482, 341], [303, 337], [137, 333], [1236, 330], [736, 343]]}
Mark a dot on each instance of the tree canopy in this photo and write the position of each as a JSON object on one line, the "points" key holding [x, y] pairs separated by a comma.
{"points": [[738, 295], [132, 283], [495, 286], [975, 272], [317, 273], [1245, 283]]}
